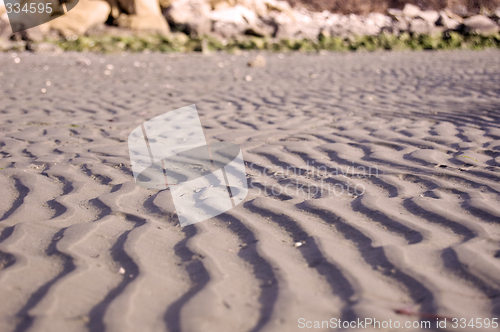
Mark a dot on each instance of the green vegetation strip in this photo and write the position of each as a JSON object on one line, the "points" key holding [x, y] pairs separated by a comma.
{"points": [[177, 43]]}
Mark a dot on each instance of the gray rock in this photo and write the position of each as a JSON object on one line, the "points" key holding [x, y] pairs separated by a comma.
{"points": [[297, 26], [401, 24], [33, 34], [480, 24], [375, 23], [238, 20], [83, 17], [411, 11], [190, 16], [5, 30], [234, 21], [421, 26], [352, 25], [9, 45], [447, 22], [430, 16], [227, 30], [260, 30], [395, 13]]}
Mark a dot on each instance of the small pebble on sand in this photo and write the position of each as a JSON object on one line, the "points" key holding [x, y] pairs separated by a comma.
{"points": [[258, 61]]}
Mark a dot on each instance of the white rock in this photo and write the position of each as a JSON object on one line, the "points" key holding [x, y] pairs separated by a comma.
{"points": [[497, 12], [85, 15], [238, 20], [301, 25], [447, 22], [191, 16], [421, 26], [402, 24], [150, 23], [139, 15], [480, 24], [453, 16], [395, 12], [430, 16], [236, 15], [256, 6], [411, 11], [282, 6]]}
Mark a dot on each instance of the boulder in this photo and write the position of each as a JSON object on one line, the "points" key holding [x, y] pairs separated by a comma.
{"points": [[355, 25], [300, 25], [238, 15], [480, 24], [140, 15], [115, 8], [284, 25], [401, 24], [140, 7], [35, 34], [5, 29], [221, 4], [452, 15], [447, 22], [237, 20], [395, 13], [430, 16], [497, 12], [280, 6], [190, 16], [422, 27], [411, 11], [82, 17], [150, 23], [256, 6], [375, 23]]}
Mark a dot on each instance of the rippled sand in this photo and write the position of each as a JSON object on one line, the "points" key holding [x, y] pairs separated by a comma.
{"points": [[83, 248]]}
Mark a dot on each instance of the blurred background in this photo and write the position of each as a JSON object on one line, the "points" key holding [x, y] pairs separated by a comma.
{"points": [[203, 25]]}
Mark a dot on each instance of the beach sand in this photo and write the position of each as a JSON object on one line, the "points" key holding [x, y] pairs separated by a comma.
{"points": [[82, 248]]}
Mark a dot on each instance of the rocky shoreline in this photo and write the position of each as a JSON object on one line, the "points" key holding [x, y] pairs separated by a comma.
{"points": [[197, 25]]}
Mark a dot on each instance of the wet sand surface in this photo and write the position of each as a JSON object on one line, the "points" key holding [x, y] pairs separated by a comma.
{"points": [[374, 187]]}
